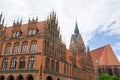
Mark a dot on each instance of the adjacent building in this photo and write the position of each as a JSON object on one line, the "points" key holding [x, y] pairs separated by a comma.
{"points": [[35, 51], [105, 61]]}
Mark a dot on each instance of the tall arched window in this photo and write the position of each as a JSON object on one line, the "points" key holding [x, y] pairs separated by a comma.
{"points": [[4, 64], [31, 64], [16, 48], [57, 66], [116, 71], [33, 46], [13, 63], [52, 65], [8, 47], [22, 63], [24, 47], [47, 63]]}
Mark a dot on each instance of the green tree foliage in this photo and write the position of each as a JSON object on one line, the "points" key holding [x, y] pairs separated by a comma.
{"points": [[107, 77], [115, 78]]}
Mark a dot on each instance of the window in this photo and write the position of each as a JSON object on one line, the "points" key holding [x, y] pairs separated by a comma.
{"points": [[57, 66], [34, 31], [14, 34], [13, 63], [30, 32], [47, 63], [24, 47], [31, 64], [52, 65], [7, 51], [16, 48], [5, 63], [22, 63], [33, 46], [17, 34]]}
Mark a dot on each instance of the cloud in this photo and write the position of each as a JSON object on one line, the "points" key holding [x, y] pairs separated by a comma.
{"points": [[89, 14]]}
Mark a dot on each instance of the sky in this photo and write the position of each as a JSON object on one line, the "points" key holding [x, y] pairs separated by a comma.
{"points": [[98, 20]]}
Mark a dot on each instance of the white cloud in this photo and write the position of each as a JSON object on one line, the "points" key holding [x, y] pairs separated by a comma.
{"points": [[89, 14]]}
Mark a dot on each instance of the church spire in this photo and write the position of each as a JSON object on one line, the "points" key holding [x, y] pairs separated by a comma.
{"points": [[77, 44], [76, 31]]}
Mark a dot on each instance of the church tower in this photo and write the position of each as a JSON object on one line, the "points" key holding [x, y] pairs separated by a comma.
{"points": [[76, 44]]}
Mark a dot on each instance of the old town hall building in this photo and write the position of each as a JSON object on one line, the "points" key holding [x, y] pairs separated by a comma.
{"points": [[35, 51]]}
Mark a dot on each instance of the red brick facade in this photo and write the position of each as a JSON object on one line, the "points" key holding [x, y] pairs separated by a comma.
{"points": [[35, 51]]}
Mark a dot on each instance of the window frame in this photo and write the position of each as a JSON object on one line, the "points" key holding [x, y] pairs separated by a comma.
{"points": [[5, 64], [31, 64], [22, 63], [13, 63]]}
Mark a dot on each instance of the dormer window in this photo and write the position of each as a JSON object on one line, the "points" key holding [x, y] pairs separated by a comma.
{"points": [[32, 31], [16, 34]]}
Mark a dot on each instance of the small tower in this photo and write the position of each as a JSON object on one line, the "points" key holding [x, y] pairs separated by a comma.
{"points": [[76, 44]]}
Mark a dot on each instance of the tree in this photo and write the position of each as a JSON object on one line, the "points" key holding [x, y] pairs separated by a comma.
{"points": [[105, 77], [115, 78], [108, 77]]}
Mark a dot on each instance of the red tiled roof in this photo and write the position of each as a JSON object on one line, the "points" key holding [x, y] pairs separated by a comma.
{"points": [[105, 56], [40, 27]]}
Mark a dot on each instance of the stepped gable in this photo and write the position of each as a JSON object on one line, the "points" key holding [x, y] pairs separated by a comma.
{"points": [[104, 56]]}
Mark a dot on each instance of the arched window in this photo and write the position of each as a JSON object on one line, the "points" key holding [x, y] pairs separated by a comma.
{"points": [[33, 46], [47, 63], [2, 77], [57, 66], [22, 63], [16, 48], [10, 77], [4, 64], [30, 77], [8, 46], [20, 77], [31, 64], [13, 63], [24, 47], [52, 65]]}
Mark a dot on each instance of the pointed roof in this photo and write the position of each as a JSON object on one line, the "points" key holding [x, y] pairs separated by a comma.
{"points": [[104, 56], [76, 34], [76, 31]]}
